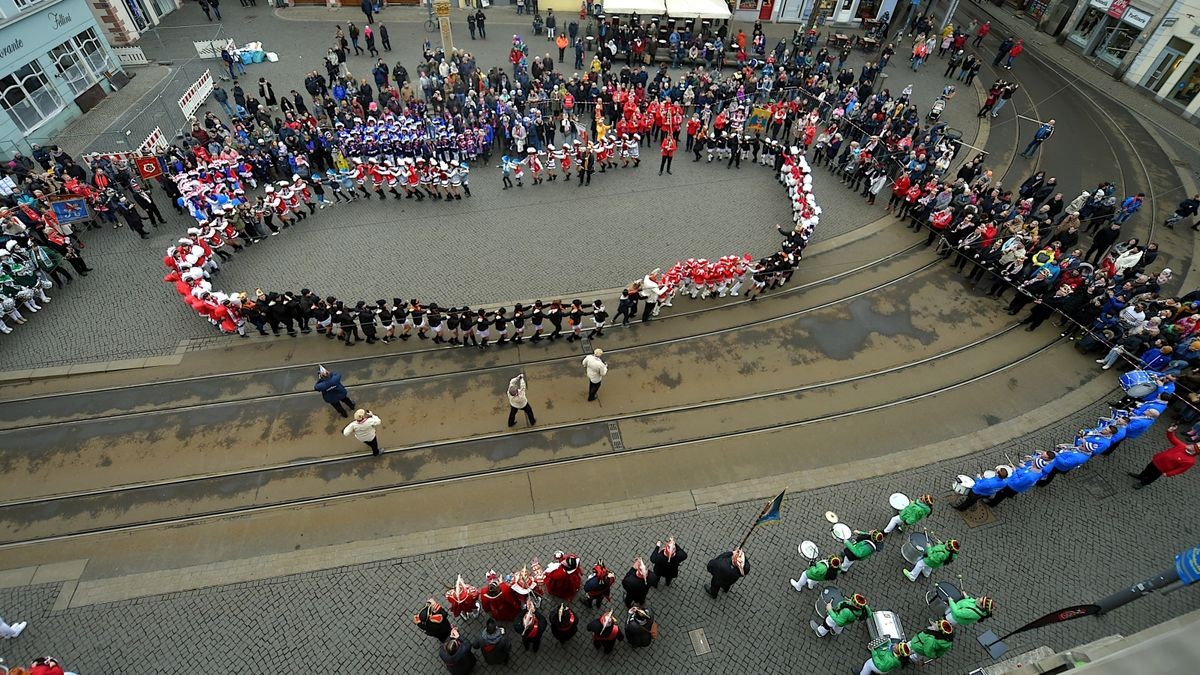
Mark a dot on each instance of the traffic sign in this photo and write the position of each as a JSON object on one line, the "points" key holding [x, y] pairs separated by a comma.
{"points": [[1187, 565]]}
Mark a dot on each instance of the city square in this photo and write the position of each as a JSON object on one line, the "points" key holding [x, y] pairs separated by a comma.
{"points": [[181, 496]]}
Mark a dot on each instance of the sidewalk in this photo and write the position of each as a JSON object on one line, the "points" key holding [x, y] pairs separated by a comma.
{"points": [[1183, 134]]}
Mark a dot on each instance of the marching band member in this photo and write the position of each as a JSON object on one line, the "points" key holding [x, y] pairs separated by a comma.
{"points": [[913, 513]]}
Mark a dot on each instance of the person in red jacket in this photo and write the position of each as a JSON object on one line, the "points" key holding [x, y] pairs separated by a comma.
{"points": [[899, 190], [45, 665], [669, 145], [500, 601], [1170, 462], [1014, 53], [982, 32]]}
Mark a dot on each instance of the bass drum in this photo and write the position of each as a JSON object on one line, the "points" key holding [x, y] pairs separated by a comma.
{"points": [[1139, 383]]}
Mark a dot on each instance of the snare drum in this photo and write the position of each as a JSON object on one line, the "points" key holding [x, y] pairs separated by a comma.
{"points": [[898, 500], [809, 550], [964, 484], [914, 547], [1139, 383], [841, 531]]}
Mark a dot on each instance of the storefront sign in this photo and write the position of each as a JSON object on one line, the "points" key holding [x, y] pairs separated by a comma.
{"points": [[1136, 17], [1099, 4], [58, 20], [1117, 8], [12, 47]]}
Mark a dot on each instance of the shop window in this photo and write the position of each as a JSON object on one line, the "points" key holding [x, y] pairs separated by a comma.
{"points": [[1188, 86], [1089, 23], [28, 97]]}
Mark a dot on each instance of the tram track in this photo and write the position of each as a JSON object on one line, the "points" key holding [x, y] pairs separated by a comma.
{"points": [[18, 414], [32, 516]]}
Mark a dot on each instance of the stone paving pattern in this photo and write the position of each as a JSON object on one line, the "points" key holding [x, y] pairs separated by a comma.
{"points": [[1084, 537], [496, 247]]}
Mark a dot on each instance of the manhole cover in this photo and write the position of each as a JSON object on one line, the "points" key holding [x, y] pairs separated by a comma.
{"points": [[1095, 486], [978, 515], [699, 642]]}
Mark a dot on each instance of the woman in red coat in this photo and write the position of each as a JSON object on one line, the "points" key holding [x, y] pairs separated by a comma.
{"points": [[1170, 462], [564, 576], [500, 601]]}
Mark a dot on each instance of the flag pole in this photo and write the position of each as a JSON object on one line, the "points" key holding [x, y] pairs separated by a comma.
{"points": [[753, 525]]}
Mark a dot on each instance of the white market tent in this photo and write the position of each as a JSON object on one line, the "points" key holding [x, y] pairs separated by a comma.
{"points": [[696, 9], [642, 7]]}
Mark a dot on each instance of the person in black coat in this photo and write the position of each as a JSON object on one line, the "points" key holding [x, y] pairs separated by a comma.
{"points": [[433, 620], [605, 632], [531, 626], [563, 624], [1031, 290], [726, 569], [637, 583], [494, 644], [639, 627], [666, 559], [457, 656]]}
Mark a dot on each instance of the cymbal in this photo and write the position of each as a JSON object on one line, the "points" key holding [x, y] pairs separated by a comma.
{"points": [[831, 516]]}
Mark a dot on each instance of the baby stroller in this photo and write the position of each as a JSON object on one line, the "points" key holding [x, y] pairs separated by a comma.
{"points": [[939, 104]]}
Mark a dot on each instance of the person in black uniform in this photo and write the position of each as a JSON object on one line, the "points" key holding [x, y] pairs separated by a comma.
{"points": [[531, 625], [305, 304], [554, 314], [345, 319], [435, 320], [252, 312], [482, 326], [639, 626], [637, 583], [366, 319], [385, 319], [467, 327], [734, 145], [726, 569], [417, 313], [536, 317], [433, 620], [666, 559], [452, 323], [563, 624], [501, 326], [587, 165], [400, 317], [605, 632], [575, 320], [518, 321]]}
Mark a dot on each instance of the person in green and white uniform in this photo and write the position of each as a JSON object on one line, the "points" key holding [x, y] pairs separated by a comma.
{"points": [[936, 557], [860, 547], [846, 612], [912, 514], [886, 659], [967, 611], [932, 643], [822, 570]]}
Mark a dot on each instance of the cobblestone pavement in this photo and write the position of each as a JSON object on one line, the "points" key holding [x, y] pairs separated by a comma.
{"points": [[542, 241], [1085, 536]]}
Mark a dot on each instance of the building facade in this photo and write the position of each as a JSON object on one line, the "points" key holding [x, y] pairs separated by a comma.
{"points": [[54, 65], [124, 21], [1168, 65]]}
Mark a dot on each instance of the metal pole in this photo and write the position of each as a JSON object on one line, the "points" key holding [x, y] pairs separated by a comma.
{"points": [[1125, 596]]}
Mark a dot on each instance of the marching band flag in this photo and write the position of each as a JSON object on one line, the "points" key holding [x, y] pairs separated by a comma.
{"points": [[771, 512]]}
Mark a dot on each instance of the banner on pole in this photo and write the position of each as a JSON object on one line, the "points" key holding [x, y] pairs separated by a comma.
{"points": [[1058, 616]]}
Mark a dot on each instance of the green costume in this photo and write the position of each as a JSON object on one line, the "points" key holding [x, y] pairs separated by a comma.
{"points": [[938, 555], [914, 513], [967, 612], [860, 549], [930, 645], [821, 571], [845, 613], [885, 660]]}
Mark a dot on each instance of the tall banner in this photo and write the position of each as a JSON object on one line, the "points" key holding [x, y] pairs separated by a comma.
{"points": [[1058, 616]]}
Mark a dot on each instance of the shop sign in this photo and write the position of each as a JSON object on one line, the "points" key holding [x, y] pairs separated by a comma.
{"points": [[1136, 18], [1117, 8], [1099, 4]]}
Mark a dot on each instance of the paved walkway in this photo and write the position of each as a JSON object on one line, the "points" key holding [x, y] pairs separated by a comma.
{"points": [[1085, 536], [496, 247]]}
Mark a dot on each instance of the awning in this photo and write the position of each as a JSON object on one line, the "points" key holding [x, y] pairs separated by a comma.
{"points": [[643, 7], [697, 9]]}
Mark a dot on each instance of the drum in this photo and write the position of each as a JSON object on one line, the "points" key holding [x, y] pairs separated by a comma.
{"points": [[914, 547], [898, 501], [964, 484], [989, 474], [885, 624], [1139, 383], [809, 550], [841, 531], [829, 594]]}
